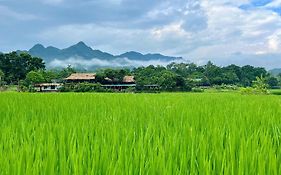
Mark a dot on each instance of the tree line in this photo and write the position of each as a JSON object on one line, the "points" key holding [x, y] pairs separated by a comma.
{"points": [[24, 70], [184, 76]]}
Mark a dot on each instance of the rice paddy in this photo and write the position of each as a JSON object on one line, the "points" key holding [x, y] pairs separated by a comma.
{"points": [[179, 133]]}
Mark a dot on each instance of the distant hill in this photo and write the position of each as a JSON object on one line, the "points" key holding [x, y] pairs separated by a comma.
{"points": [[84, 53], [275, 72], [138, 56], [78, 50]]}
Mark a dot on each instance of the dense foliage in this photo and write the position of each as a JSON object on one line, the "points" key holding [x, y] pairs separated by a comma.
{"points": [[82, 87], [16, 66], [183, 76], [177, 133], [114, 75], [26, 70]]}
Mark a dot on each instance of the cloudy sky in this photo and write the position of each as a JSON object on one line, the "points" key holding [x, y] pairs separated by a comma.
{"points": [[224, 31]]}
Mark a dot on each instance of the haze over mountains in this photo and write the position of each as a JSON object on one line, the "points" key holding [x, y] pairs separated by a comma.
{"points": [[82, 56]]}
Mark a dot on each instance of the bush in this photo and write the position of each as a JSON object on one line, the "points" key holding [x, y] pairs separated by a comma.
{"points": [[82, 87], [130, 90], [226, 87], [23, 86], [3, 88], [252, 91], [197, 90], [276, 92]]}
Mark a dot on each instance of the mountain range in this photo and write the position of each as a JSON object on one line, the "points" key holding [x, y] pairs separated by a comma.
{"points": [[82, 56], [275, 72]]}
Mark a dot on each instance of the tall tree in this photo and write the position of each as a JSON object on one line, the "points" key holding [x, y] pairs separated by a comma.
{"points": [[15, 66], [272, 82], [249, 74], [213, 73]]}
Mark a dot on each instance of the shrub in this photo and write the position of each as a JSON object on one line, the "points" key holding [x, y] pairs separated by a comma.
{"points": [[276, 92], [197, 90], [130, 89], [253, 91], [82, 87], [260, 85], [226, 87]]}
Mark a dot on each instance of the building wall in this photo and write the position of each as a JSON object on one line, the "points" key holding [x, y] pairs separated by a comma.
{"points": [[47, 88]]}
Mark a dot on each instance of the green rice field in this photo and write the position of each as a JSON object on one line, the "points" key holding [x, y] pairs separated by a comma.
{"points": [[177, 133]]}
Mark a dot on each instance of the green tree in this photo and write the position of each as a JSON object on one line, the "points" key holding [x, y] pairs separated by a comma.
{"points": [[34, 77], [15, 66], [185, 70], [168, 80], [213, 73], [49, 75], [116, 75], [260, 84], [272, 82], [249, 74], [234, 69], [100, 77], [31, 63], [66, 72]]}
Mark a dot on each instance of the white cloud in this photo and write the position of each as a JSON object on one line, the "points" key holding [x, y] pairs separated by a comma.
{"points": [[119, 40], [97, 63], [231, 29], [194, 29], [172, 30], [228, 30], [274, 42]]}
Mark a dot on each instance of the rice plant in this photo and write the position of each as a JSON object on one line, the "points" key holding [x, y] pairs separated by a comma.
{"points": [[179, 133]]}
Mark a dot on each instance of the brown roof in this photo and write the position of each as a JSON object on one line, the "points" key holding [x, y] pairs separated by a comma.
{"points": [[129, 79], [107, 79], [82, 76]]}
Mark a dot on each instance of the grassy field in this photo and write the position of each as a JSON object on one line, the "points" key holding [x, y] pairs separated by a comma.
{"points": [[208, 133], [275, 91]]}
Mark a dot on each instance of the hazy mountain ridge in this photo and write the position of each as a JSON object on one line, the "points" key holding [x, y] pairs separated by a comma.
{"points": [[275, 72], [85, 54], [78, 50]]}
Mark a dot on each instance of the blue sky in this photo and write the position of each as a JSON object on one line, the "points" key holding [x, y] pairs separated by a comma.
{"points": [[224, 31]]}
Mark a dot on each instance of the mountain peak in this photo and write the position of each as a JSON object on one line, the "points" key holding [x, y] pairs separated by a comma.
{"points": [[131, 54], [37, 47], [52, 47], [81, 44], [80, 48], [84, 52], [134, 52]]}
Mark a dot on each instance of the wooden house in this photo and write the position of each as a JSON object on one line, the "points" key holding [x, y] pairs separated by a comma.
{"points": [[81, 78], [47, 87], [129, 80]]}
